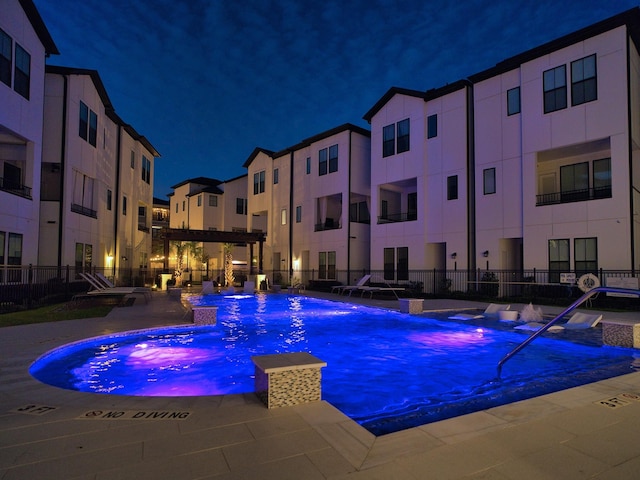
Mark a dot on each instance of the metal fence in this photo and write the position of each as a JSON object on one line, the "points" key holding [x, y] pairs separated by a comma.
{"points": [[30, 286]]}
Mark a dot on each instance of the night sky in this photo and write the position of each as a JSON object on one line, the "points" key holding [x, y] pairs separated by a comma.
{"points": [[207, 81]]}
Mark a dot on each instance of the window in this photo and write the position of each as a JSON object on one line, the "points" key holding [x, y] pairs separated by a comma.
{"points": [[308, 165], [241, 206], [388, 140], [146, 169], [400, 131], [22, 72], [133, 159], [322, 162], [403, 263], [555, 89], [275, 176], [142, 218], [452, 187], [184, 205], [176, 207], [359, 212], [213, 200], [124, 205], [489, 181], [333, 158], [298, 214], [432, 126], [83, 257], [513, 101], [88, 125], [93, 128], [2, 238], [82, 201], [412, 206], [384, 209], [583, 80], [574, 182], [558, 259], [283, 216], [602, 178], [389, 263], [6, 48], [258, 182], [109, 196], [327, 265], [403, 136], [199, 200], [585, 253]]}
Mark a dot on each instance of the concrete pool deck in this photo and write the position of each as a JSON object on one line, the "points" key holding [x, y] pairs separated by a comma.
{"points": [[591, 431]]}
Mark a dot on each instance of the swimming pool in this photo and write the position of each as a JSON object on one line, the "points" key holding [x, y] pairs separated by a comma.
{"points": [[386, 370]]}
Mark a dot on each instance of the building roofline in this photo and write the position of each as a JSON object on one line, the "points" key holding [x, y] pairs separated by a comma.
{"points": [[389, 94], [106, 101], [321, 136], [630, 18], [211, 182], [39, 26], [254, 154]]}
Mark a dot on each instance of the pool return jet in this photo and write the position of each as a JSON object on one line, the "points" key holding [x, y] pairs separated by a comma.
{"points": [[569, 309]]}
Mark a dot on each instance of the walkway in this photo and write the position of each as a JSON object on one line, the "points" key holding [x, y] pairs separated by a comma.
{"points": [[50, 433]]}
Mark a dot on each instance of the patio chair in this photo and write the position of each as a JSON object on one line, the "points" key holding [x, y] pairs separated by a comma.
{"points": [[341, 289], [492, 309], [100, 288], [577, 321]]}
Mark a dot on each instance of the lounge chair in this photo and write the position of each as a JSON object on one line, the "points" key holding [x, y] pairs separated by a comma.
{"points": [[492, 309], [371, 290], [99, 288], [577, 321], [341, 289]]}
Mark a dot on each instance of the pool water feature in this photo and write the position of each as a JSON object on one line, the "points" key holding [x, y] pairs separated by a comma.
{"points": [[386, 370]]}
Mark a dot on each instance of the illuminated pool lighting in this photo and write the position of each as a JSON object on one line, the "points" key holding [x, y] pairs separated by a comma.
{"points": [[386, 370]]}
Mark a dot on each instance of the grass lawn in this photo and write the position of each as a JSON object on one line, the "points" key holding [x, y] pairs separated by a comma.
{"points": [[53, 313]]}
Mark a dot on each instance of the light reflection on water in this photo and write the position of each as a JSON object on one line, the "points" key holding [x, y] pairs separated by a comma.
{"points": [[382, 365]]}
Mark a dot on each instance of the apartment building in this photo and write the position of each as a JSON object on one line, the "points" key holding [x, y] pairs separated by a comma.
{"points": [[97, 178], [530, 164], [24, 45], [204, 203], [313, 200]]}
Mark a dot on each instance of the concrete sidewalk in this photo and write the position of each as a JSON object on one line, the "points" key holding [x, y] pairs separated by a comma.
{"points": [[51, 433]]}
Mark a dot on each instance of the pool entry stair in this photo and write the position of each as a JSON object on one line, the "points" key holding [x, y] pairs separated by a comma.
{"points": [[623, 334]]}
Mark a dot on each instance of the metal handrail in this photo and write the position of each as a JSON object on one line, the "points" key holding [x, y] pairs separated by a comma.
{"points": [[569, 309]]}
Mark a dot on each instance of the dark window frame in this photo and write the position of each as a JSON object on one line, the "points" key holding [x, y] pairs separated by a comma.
{"points": [[555, 89], [513, 101], [452, 187], [489, 181], [584, 81], [432, 126]]}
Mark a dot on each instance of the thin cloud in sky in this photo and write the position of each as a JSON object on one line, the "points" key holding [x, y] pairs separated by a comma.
{"points": [[206, 81]]}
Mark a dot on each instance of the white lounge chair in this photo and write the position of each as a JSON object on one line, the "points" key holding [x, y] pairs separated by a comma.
{"points": [[99, 281], [577, 321], [492, 309], [341, 289]]}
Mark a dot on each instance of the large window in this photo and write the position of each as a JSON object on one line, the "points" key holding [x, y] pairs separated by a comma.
{"points": [[396, 263], [555, 89], [146, 169], [399, 131], [6, 49], [327, 265], [584, 80], [241, 206], [574, 182], [389, 263], [585, 255], [412, 206], [88, 124], [213, 200], [388, 140], [558, 259], [403, 263], [258, 182], [322, 162], [83, 192], [602, 178], [432, 126], [513, 101], [14, 255], [84, 257], [22, 72], [333, 158], [359, 212]]}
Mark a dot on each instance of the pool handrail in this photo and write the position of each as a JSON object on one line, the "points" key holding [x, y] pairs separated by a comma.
{"points": [[569, 309]]}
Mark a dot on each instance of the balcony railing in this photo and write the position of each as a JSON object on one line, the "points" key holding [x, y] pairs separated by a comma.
{"points": [[398, 217], [329, 224], [83, 210], [15, 188], [573, 196]]}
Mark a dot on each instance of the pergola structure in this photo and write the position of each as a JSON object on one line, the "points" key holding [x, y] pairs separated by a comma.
{"points": [[215, 236]]}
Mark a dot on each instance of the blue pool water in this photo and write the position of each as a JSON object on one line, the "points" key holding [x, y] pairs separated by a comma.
{"points": [[386, 370]]}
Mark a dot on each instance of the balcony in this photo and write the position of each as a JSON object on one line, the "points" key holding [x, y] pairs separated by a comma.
{"points": [[329, 224], [87, 212], [15, 188], [398, 217], [573, 196]]}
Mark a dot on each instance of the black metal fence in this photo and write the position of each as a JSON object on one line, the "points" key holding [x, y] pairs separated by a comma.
{"points": [[23, 287]]}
